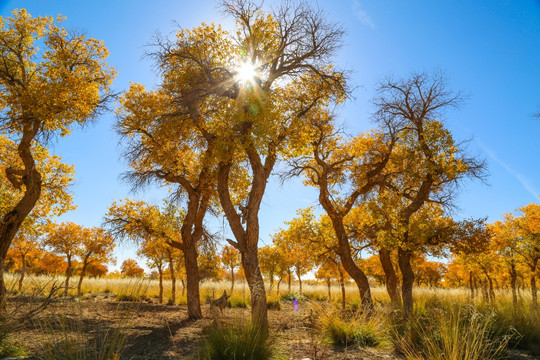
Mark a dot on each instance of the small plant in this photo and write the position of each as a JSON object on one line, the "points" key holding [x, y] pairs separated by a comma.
{"points": [[354, 332], [273, 304], [238, 343], [238, 302], [128, 297]]}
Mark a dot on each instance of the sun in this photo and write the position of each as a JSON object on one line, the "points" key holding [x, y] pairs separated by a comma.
{"points": [[246, 72]]}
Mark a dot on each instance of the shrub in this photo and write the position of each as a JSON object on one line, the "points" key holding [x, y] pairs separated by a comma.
{"points": [[273, 304], [128, 297], [451, 334], [238, 343], [354, 332]]}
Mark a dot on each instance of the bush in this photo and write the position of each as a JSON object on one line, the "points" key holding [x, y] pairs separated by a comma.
{"points": [[238, 302], [273, 304], [459, 333], [73, 341], [238, 343], [128, 297], [354, 332]]}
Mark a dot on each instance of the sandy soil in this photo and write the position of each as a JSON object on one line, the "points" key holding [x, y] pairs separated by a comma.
{"points": [[162, 332]]}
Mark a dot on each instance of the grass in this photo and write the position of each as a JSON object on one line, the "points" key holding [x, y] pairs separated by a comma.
{"points": [[230, 342]]}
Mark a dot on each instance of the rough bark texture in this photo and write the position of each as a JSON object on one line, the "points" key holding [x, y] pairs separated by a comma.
{"points": [[391, 278], [69, 271], [404, 259], [192, 281], [329, 284], [232, 280], [11, 222], [472, 285], [534, 291]]}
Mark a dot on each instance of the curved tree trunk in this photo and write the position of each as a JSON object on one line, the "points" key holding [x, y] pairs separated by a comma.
{"points": [[534, 291], [472, 284], [299, 281], [391, 278], [255, 282], [173, 278], [11, 222], [407, 276]]}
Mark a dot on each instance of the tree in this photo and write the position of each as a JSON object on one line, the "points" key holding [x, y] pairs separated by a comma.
{"points": [[65, 239], [23, 250], [130, 268], [96, 269], [97, 246], [429, 164], [272, 263], [227, 86], [43, 92], [230, 258], [529, 245], [155, 251]]}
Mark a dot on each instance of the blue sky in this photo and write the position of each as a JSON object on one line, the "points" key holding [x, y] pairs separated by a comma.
{"points": [[490, 50]]}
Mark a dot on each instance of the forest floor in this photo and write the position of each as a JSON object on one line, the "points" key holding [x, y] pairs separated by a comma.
{"points": [[154, 331]]}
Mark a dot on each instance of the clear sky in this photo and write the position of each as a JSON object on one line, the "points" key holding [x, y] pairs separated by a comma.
{"points": [[489, 49]]}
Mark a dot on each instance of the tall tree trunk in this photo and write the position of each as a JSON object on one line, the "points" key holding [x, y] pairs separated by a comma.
{"points": [[278, 284], [271, 275], [81, 277], [342, 285], [183, 286], [407, 280], [391, 278], [11, 222], [160, 274], [491, 290], [23, 272], [232, 280]]}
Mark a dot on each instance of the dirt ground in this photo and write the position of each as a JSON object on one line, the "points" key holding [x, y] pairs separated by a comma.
{"points": [[161, 331]]}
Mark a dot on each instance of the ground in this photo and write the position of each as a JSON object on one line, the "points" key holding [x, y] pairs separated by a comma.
{"points": [[157, 331]]}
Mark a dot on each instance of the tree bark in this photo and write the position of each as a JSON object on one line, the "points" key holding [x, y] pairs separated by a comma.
{"points": [[289, 273], [534, 291], [391, 278], [329, 284], [192, 281], [299, 281], [407, 281], [232, 280], [173, 277], [69, 271], [81, 277], [160, 274], [513, 280], [23, 272], [11, 222], [342, 285], [471, 284]]}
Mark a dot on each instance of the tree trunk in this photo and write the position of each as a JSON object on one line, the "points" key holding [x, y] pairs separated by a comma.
{"points": [[232, 280], [255, 282], [69, 270], [11, 222], [407, 281], [173, 281], [391, 278], [160, 273], [491, 290], [299, 281], [192, 281], [290, 280], [271, 275], [81, 277], [279, 283], [471, 284], [342, 285], [513, 280], [183, 286], [534, 292], [329, 284], [23, 272]]}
